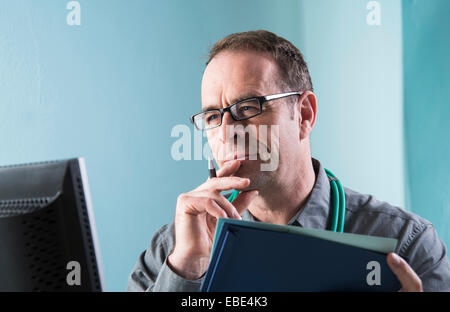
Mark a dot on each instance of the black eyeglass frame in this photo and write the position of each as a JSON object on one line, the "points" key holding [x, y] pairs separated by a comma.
{"points": [[261, 100]]}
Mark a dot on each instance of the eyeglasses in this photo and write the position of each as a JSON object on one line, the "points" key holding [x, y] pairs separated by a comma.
{"points": [[242, 110]]}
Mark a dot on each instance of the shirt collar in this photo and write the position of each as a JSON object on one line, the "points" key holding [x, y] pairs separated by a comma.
{"points": [[314, 213]]}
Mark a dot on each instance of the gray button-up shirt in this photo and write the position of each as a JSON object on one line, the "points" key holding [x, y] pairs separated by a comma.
{"points": [[417, 239]]}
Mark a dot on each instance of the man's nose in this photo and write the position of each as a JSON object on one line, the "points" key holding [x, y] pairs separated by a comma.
{"points": [[227, 121]]}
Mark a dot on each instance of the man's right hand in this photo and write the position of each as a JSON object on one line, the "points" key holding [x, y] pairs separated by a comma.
{"points": [[196, 217]]}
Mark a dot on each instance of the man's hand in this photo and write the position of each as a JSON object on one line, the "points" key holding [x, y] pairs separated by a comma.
{"points": [[196, 215], [405, 274]]}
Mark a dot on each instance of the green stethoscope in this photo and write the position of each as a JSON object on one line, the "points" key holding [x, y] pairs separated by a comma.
{"points": [[337, 202]]}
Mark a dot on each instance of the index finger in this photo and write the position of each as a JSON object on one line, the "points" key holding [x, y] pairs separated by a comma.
{"points": [[229, 168], [226, 183]]}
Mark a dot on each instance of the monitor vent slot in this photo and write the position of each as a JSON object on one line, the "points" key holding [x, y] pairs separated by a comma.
{"points": [[43, 251], [16, 207]]}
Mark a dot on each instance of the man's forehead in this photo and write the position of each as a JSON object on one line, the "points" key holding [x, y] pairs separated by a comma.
{"points": [[232, 76]]}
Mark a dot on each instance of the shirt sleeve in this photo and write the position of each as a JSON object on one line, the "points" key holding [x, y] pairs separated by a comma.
{"points": [[151, 272], [428, 258]]}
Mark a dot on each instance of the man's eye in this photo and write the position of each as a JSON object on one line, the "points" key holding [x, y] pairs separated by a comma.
{"points": [[212, 117], [247, 108]]}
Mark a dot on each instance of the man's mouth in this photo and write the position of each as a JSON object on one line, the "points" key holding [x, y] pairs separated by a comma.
{"points": [[241, 157]]}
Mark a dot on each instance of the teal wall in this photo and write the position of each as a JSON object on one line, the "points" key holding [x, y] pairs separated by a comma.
{"points": [[113, 88], [426, 26], [357, 75]]}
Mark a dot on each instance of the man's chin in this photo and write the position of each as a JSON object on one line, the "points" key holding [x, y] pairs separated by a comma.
{"points": [[250, 169], [247, 169]]}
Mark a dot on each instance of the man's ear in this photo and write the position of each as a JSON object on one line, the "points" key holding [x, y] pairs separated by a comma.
{"points": [[307, 109]]}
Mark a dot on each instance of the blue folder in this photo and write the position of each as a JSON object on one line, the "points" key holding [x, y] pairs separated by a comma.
{"points": [[249, 257]]}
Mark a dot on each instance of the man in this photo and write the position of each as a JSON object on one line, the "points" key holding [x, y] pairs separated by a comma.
{"points": [[297, 192]]}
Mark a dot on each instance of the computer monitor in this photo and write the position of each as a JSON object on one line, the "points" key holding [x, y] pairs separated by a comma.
{"points": [[48, 239]]}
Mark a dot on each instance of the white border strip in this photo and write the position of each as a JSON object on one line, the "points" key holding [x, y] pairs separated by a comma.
{"points": [[87, 196]]}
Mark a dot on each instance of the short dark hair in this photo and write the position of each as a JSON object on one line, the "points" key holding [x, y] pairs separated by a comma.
{"points": [[292, 67]]}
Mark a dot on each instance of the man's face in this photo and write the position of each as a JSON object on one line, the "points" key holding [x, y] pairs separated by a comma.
{"points": [[233, 76]]}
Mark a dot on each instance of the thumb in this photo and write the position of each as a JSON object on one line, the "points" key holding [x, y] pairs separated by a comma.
{"points": [[405, 274], [243, 200]]}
